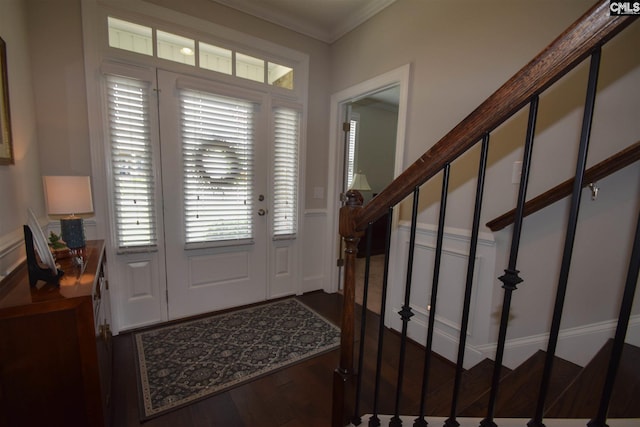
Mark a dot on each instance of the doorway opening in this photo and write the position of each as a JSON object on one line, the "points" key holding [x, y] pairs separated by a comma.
{"points": [[374, 150]]}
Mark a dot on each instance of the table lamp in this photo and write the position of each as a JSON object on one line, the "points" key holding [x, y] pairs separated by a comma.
{"points": [[69, 195], [360, 182]]}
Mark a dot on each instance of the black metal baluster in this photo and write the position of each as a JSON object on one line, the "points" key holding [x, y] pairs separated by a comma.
{"points": [[374, 420], [570, 235], [363, 325], [420, 421], [451, 421], [511, 278], [406, 313], [621, 332]]}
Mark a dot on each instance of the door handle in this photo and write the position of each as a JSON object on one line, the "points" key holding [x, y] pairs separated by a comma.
{"points": [[262, 212]]}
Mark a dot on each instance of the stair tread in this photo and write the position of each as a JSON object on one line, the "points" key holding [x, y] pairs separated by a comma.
{"points": [[473, 382], [582, 398], [517, 395]]}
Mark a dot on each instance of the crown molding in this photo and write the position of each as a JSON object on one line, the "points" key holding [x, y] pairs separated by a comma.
{"points": [[327, 34]]}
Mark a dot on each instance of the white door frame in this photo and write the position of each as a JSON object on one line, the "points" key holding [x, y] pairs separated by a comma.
{"points": [[339, 100]]}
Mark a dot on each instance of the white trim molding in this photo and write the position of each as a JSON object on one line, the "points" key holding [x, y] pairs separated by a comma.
{"points": [[12, 252], [399, 76], [578, 344], [451, 287], [313, 252]]}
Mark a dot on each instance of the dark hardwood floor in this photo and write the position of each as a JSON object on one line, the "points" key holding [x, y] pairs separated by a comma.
{"points": [[301, 394], [296, 396]]}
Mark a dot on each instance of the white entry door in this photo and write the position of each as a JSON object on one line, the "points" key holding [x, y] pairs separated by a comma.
{"points": [[204, 184], [216, 201]]}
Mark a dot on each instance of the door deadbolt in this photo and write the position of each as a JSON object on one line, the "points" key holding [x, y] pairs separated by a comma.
{"points": [[261, 198]]}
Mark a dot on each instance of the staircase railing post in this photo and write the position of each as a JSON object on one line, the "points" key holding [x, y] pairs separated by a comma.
{"points": [[343, 377]]}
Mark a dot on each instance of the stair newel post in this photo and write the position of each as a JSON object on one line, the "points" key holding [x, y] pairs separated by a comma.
{"points": [[343, 378], [510, 279]]}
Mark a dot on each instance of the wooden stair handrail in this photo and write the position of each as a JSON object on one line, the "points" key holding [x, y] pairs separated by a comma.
{"points": [[603, 169], [593, 29], [576, 43]]}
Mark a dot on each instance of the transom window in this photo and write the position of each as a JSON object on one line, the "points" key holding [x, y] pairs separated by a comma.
{"points": [[161, 44]]}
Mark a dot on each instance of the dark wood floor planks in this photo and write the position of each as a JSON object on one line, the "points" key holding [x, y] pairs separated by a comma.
{"points": [[296, 396], [300, 395]]}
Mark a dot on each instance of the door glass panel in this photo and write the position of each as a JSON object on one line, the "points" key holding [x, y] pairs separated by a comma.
{"points": [[217, 149]]}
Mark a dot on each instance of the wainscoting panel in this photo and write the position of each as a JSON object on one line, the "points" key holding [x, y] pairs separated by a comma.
{"points": [[577, 345], [314, 274], [451, 288], [12, 252]]}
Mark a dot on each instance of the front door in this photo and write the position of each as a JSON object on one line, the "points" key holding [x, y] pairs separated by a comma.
{"points": [[204, 205], [216, 201]]}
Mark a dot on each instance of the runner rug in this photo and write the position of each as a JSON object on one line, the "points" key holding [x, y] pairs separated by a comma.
{"points": [[182, 363]]}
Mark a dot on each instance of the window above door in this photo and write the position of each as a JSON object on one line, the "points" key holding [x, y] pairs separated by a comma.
{"points": [[159, 43]]}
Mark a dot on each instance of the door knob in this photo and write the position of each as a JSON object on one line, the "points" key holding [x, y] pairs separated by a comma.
{"points": [[262, 212]]}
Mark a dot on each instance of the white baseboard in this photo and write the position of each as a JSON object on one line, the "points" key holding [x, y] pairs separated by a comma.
{"points": [[577, 345]]}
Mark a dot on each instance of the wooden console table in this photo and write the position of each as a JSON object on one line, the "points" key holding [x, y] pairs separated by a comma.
{"points": [[55, 346]]}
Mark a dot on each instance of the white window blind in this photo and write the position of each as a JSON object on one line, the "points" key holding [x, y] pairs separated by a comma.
{"points": [[217, 147], [351, 151], [285, 172], [131, 162]]}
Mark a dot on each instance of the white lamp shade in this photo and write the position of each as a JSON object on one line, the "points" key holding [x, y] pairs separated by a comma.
{"points": [[68, 195], [360, 182]]}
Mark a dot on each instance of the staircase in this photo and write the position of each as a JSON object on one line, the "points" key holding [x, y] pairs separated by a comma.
{"points": [[389, 379], [574, 391]]}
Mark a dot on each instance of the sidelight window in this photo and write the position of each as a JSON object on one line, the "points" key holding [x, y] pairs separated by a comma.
{"points": [[285, 174], [132, 168]]}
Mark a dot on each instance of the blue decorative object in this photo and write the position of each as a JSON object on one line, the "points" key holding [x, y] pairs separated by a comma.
{"points": [[72, 231]]}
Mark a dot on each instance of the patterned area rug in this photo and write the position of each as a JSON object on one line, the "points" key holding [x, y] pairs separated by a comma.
{"points": [[181, 363]]}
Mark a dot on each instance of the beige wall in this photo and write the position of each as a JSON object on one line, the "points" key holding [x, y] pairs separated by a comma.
{"points": [[55, 46], [20, 184], [460, 52]]}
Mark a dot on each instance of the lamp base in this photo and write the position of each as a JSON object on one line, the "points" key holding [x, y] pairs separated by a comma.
{"points": [[72, 232]]}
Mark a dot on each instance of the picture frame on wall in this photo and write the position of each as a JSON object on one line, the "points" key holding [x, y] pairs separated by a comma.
{"points": [[6, 146]]}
